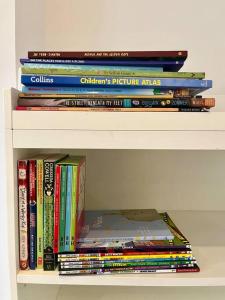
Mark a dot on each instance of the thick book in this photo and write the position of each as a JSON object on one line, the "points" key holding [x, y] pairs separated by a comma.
{"points": [[114, 109], [49, 191], [126, 225], [158, 55], [108, 71], [74, 202], [22, 176], [166, 65], [115, 82], [117, 102], [32, 214]]}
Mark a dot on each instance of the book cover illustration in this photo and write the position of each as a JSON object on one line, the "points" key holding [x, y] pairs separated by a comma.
{"points": [[130, 225]]}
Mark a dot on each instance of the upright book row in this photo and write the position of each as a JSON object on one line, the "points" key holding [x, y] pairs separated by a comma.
{"points": [[51, 193]]}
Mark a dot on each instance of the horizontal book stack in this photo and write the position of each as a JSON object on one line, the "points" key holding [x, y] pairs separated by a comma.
{"points": [[132, 81], [51, 208], [128, 241]]}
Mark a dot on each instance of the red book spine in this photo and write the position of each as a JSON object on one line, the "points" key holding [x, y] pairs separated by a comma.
{"points": [[33, 214], [107, 54], [22, 167], [57, 208]]}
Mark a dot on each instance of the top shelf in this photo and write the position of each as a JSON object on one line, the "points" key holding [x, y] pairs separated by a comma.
{"points": [[114, 130]]}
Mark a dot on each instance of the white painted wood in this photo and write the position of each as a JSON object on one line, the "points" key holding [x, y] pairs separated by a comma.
{"points": [[87, 139], [205, 231], [124, 121]]}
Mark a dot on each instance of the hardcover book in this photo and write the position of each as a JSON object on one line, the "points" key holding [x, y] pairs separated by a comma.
{"points": [[157, 55], [124, 225]]}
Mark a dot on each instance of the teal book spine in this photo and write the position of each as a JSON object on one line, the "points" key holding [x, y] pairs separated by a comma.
{"points": [[62, 208], [68, 208]]}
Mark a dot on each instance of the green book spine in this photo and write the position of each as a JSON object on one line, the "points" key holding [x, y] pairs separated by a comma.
{"points": [[73, 208], [62, 208], [105, 72], [39, 183]]}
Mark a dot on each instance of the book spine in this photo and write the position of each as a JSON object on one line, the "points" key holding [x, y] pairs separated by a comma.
{"points": [[73, 208], [57, 208], [104, 92], [49, 257], [117, 102], [22, 167], [39, 184], [107, 54], [68, 209], [103, 81], [110, 71], [63, 193], [33, 214], [166, 65], [111, 109]]}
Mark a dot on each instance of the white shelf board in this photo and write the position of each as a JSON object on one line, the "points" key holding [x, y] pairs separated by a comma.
{"points": [[118, 121], [87, 139], [205, 230]]}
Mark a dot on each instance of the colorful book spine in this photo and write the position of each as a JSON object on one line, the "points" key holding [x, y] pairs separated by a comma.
{"points": [[63, 192], [121, 92], [68, 209], [57, 208], [108, 81], [49, 191], [111, 109], [110, 71], [39, 184], [166, 65], [33, 214], [73, 208], [180, 54], [22, 166], [117, 102]]}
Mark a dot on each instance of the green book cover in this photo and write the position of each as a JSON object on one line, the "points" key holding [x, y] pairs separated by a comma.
{"points": [[48, 234], [73, 208], [62, 208], [105, 72]]}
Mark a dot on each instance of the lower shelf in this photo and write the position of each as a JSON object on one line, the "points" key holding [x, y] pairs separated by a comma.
{"points": [[205, 230]]}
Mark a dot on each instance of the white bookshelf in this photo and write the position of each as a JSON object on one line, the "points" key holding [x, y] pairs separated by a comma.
{"points": [[108, 133]]}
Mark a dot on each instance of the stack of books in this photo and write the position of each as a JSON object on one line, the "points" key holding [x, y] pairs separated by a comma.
{"points": [[51, 208], [111, 81], [128, 241]]}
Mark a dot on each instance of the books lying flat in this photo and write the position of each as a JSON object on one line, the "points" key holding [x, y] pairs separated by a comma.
{"points": [[156, 55], [124, 225], [116, 102], [117, 81], [166, 65], [52, 69]]}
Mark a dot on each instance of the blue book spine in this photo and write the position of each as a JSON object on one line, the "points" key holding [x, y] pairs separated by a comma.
{"points": [[91, 91], [90, 68], [116, 82], [68, 207], [142, 63]]}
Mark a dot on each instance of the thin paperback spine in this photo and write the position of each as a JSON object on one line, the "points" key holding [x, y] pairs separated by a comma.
{"points": [[73, 208], [63, 192], [33, 213], [39, 184], [57, 208], [49, 258], [68, 209], [22, 166]]}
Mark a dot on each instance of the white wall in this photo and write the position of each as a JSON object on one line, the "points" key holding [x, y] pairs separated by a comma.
{"points": [[117, 25]]}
